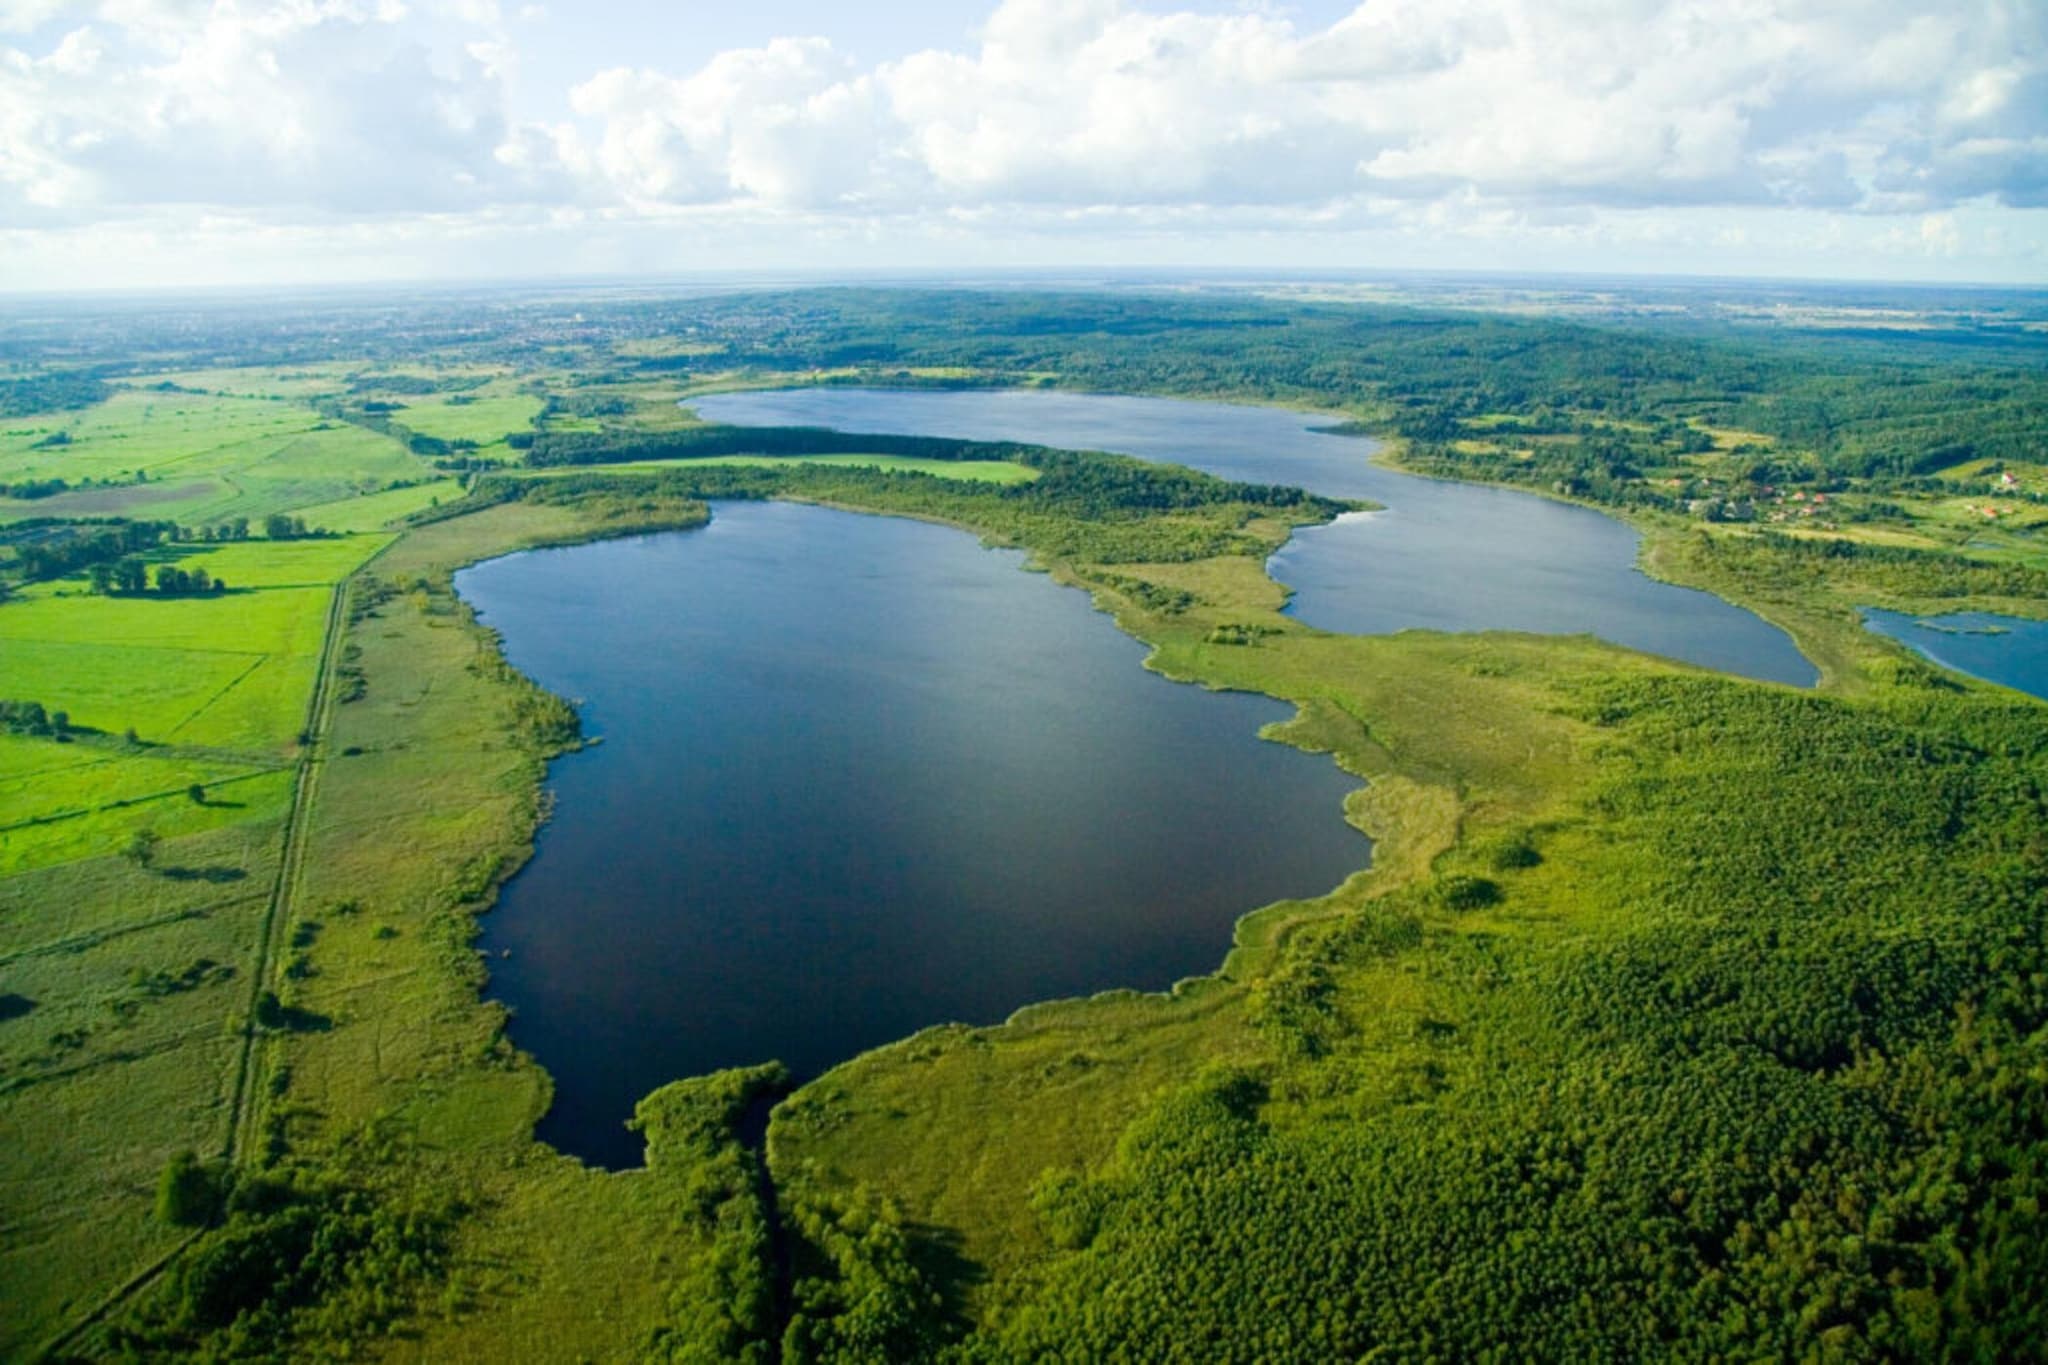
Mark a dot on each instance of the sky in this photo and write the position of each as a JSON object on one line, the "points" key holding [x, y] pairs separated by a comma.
{"points": [[180, 143]]}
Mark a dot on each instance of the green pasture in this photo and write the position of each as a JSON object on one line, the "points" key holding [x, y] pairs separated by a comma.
{"points": [[230, 670], [160, 433], [486, 417], [94, 812], [214, 688], [375, 511], [120, 1056], [322, 464], [316, 562], [44, 780], [260, 381], [205, 458]]}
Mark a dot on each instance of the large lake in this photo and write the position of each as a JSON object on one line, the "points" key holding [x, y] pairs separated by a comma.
{"points": [[1445, 556], [859, 776]]}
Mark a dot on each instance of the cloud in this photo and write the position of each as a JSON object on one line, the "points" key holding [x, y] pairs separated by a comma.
{"points": [[790, 123], [1482, 117], [1887, 105], [323, 105]]}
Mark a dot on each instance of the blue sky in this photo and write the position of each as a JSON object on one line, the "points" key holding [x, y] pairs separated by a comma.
{"points": [[226, 141]]}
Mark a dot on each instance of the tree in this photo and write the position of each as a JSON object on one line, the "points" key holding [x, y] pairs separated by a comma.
{"points": [[141, 849], [270, 1011], [185, 1193], [196, 793]]}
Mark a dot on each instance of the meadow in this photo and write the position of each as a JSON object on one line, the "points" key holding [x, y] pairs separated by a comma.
{"points": [[135, 967], [485, 419], [166, 694], [195, 458]]}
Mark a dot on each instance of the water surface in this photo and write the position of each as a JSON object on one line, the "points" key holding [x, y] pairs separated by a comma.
{"points": [[860, 776], [1444, 556], [2007, 650]]}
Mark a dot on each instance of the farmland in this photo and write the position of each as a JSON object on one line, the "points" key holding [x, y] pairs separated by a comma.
{"points": [[196, 458]]}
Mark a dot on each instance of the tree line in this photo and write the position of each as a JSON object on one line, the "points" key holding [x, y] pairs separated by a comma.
{"points": [[109, 550]]}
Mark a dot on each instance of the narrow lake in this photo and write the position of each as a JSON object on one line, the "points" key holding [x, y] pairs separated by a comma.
{"points": [[860, 776], [2006, 650], [1444, 556]]}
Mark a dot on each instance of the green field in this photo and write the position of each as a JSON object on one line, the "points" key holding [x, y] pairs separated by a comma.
{"points": [[485, 418], [375, 511], [213, 689], [202, 459], [258, 381]]}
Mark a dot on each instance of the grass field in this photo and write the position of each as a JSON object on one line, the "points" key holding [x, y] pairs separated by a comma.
{"points": [[121, 1055], [375, 511], [202, 459], [483, 416], [214, 688], [136, 972], [291, 382]]}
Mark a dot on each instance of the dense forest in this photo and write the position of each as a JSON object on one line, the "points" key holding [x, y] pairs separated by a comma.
{"points": [[58, 391], [1793, 1106]]}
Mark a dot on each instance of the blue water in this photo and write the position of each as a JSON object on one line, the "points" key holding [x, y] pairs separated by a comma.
{"points": [[1443, 556], [2006, 650], [860, 776]]}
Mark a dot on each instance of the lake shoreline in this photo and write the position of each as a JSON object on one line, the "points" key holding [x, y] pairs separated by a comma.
{"points": [[1271, 732]]}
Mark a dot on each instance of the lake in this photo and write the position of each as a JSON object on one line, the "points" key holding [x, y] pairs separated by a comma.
{"points": [[2006, 650], [1442, 556], [860, 776]]}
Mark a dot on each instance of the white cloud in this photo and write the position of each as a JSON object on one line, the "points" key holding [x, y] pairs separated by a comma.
{"points": [[789, 123], [317, 105], [1486, 118], [1855, 104]]}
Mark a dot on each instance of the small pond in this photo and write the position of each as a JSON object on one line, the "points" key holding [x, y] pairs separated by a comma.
{"points": [[2006, 650]]}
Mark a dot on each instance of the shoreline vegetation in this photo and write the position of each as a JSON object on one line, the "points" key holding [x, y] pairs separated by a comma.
{"points": [[1654, 971]]}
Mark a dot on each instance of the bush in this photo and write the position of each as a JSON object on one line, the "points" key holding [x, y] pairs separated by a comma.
{"points": [[187, 1195], [1462, 893]]}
